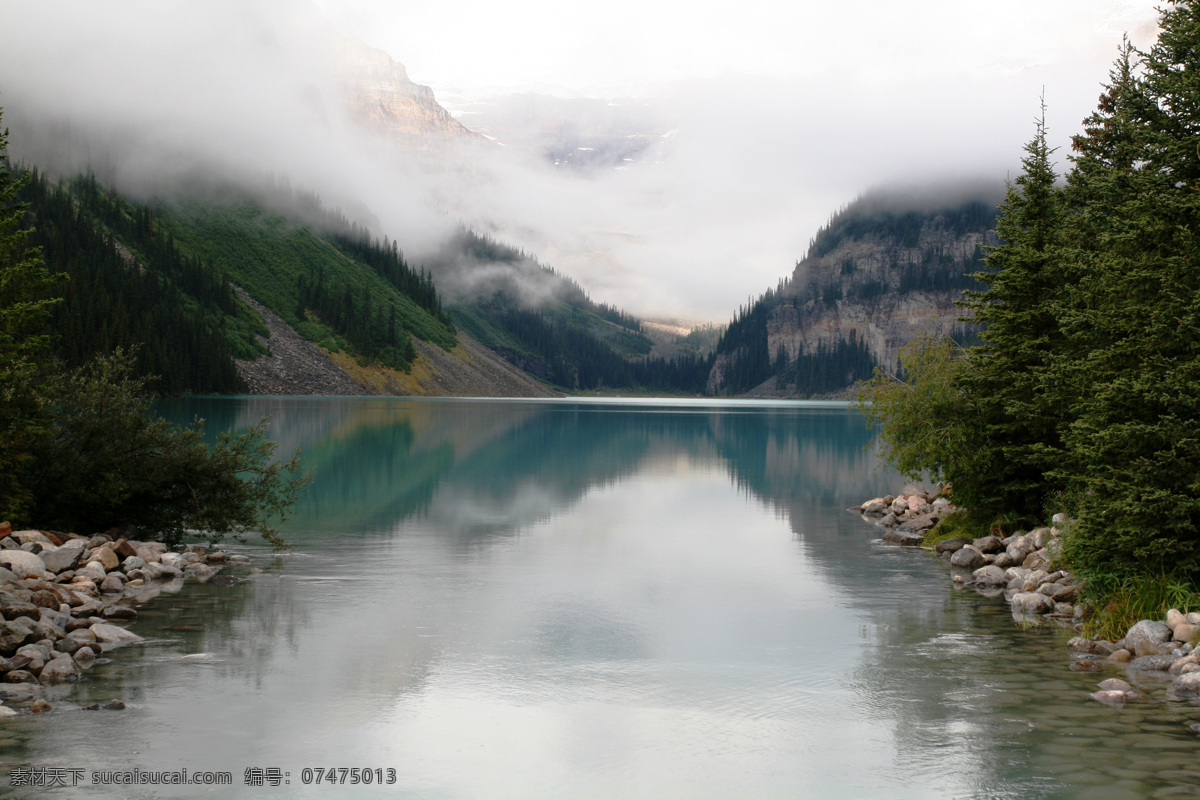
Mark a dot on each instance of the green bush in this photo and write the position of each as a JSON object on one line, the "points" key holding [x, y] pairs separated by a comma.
{"points": [[105, 461]]}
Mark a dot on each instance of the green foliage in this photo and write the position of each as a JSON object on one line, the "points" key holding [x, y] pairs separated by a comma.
{"points": [[1085, 392], [1019, 435], [882, 217], [131, 288], [1118, 601], [266, 254], [929, 426], [25, 305], [105, 461], [961, 523]]}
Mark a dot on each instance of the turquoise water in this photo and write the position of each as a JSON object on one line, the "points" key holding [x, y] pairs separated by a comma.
{"points": [[597, 599]]}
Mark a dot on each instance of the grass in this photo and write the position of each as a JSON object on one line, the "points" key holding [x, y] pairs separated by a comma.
{"points": [[957, 524], [1120, 601], [265, 254]]}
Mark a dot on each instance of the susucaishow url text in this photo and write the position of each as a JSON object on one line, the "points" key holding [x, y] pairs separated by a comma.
{"points": [[75, 776]]}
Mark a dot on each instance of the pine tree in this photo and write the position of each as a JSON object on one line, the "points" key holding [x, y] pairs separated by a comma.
{"points": [[1020, 429], [1134, 324], [25, 304]]}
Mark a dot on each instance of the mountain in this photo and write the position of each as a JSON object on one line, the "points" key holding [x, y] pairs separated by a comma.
{"points": [[885, 268], [380, 97], [218, 293]]}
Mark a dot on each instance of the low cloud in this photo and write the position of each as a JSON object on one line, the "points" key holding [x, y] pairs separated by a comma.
{"points": [[734, 174]]}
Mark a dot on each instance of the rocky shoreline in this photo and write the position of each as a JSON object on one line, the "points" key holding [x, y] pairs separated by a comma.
{"points": [[1020, 568], [65, 600]]}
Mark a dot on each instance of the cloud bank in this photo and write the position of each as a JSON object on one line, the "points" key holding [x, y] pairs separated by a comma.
{"points": [[754, 145]]}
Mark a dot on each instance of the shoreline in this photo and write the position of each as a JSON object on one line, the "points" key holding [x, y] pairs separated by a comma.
{"points": [[1019, 569], [66, 600]]}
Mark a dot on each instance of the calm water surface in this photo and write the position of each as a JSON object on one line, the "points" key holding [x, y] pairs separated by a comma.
{"points": [[598, 600]]}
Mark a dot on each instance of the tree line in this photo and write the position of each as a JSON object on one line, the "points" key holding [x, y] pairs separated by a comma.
{"points": [[82, 450], [1084, 393]]}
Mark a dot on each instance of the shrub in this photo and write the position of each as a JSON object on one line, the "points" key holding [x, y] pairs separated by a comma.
{"points": [[105, 461]]}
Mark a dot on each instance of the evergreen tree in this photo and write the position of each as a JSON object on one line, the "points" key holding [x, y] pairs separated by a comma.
{"points": [[1020, 429], [24, 306], [1134, 324]]}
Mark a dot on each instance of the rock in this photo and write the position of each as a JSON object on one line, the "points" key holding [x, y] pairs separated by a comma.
{"points": [[1065, 593], [1156, 663], [19, 692], [1188, 682], [967, 557], [875, 509], [1109, 697], [85, 656], [1178, 667], [1185, 631], [12, 608], [60, 670], [1115, 685], [201, 572], [1148, 630], [113, 634], [921, 523], [5, 711], [124, 549], [1192, 617], [951, 545], [988, 544], [119, 612], [1174, 618], [30, 537], [239, 559], [1036, 560], [7, 577], [15, 633], [93, 571], [1003, 561], [1079, 644], [146, 553], [990, 575], [1087, 665], [904, 538], [1029, 603], [29, 657], [112, 584], [20, 676], [40, 706], [114, 705], [1120, 656], [888, 520], [64, 558], [132, 563], [899, 506], [22, 563], [1038, 537], [1142, 647]]}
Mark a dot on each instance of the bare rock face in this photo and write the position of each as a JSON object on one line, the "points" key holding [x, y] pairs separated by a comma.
{"points": [[380, 97], [883, 271]]}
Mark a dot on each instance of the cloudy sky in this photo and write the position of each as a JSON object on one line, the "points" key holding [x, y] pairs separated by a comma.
{"points": [[779, 112]]}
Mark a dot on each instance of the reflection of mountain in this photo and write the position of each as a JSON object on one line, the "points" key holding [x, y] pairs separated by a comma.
{"points": [[477, 469]]}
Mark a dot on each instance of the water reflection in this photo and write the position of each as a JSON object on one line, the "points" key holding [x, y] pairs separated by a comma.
{"points": [[483, 469], [572, 599]]}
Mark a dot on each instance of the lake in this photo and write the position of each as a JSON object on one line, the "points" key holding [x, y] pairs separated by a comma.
{"points": [[595, 599]]}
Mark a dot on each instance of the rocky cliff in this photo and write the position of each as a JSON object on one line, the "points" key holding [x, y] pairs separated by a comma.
{"points": [[874, 278], [380, 97]]}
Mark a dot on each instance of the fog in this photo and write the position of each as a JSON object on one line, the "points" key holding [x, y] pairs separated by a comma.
{"points": [[739, 147]]}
